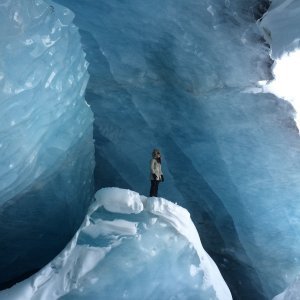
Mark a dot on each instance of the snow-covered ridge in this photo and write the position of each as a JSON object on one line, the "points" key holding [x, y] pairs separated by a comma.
{"points": [[151, 240]]}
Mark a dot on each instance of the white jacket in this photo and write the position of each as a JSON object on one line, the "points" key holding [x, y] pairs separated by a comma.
{"points": [[155, 168]]}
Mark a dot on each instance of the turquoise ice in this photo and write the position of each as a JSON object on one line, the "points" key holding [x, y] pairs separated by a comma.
{"points": [[46, 146], [179, 75]]}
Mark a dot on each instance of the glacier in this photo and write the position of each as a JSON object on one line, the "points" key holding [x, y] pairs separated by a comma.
{"points": [[280, 28], [184, 78], [150, 243], [46, 143]]}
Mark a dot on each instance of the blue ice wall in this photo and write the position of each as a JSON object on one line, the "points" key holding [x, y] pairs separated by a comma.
{"points": [[177, 75], [46, 144]]}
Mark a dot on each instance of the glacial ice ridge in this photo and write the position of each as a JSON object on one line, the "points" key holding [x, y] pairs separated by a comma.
{"points": [[46, 142], [128, 247]]}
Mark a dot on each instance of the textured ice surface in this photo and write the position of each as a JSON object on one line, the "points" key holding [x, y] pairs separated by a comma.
{"points": [[46, 148], [172, 74], [174, 78], [291, 293], [129, 247], [280, 26]]}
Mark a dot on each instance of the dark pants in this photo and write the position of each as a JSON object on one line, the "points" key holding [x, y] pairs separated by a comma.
{"points": [[154, 188]]}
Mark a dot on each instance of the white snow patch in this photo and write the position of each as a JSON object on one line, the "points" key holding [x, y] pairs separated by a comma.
{"points": [[119, 201]]}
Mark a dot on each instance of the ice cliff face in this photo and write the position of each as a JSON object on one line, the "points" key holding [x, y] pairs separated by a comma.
{"points": [[129, 247], [280, 27], [178, 76], [46, 148]]}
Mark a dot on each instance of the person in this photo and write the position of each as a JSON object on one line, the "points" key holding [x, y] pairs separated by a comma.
{"points": [[156, 175]]}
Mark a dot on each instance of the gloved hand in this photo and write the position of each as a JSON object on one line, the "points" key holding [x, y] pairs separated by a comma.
{"points": [[162, 178], [154, 176]]}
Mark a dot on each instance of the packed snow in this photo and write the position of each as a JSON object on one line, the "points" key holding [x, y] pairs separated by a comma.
{"points": [[129, 247]]}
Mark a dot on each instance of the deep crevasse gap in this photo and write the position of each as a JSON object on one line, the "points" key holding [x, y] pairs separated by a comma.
{"points": [[46, 144]]}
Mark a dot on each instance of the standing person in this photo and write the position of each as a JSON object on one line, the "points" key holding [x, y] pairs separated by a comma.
{"points": [[156, 174]]}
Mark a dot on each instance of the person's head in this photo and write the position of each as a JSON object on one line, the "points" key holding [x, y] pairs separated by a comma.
{"points": [[155, 153]]}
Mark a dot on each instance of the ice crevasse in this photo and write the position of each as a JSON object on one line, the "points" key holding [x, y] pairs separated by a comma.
{"points": [[128, 247]]}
